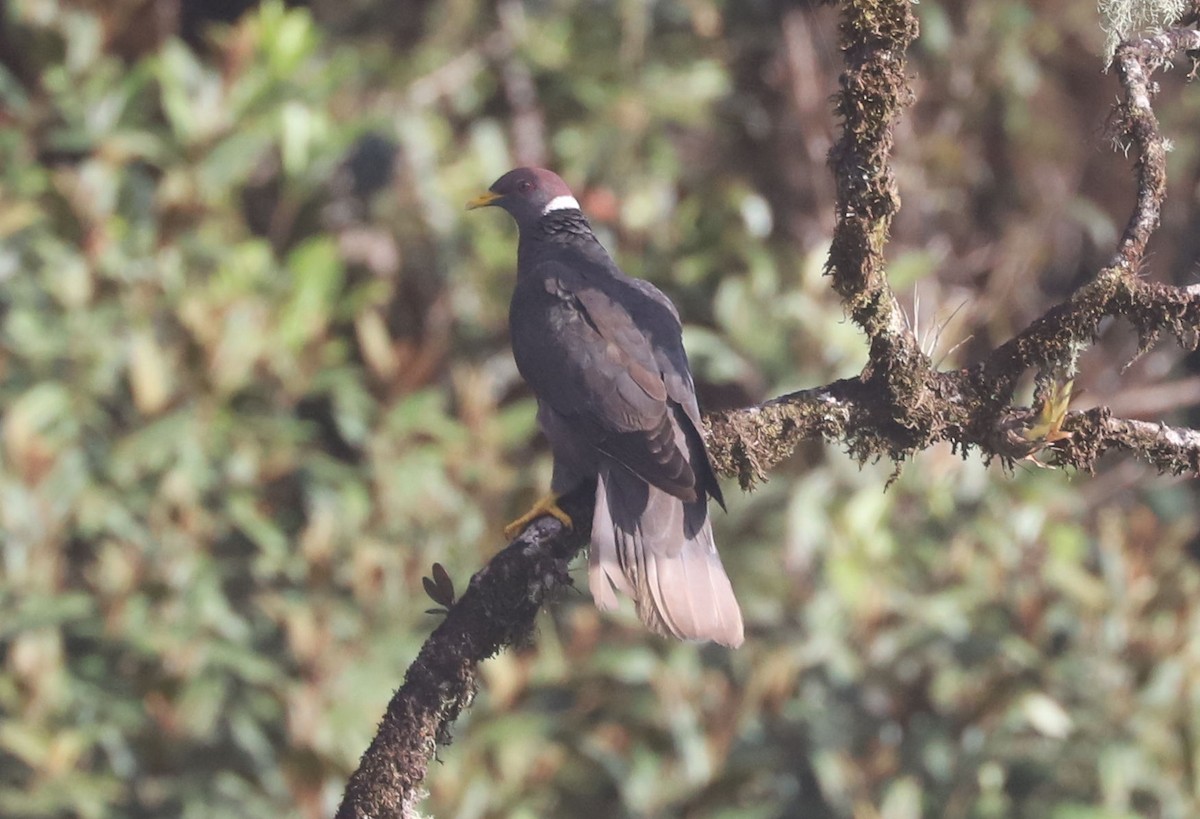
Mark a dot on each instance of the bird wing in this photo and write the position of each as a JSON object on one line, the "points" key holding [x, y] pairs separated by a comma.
{"points": [[595, 362], [677, 377]]}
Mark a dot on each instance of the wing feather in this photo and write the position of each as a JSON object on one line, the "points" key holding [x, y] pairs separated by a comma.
{"points": [[580, 348]]}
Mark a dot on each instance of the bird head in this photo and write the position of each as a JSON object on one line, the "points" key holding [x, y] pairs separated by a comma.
{"points": [[527, 194]]}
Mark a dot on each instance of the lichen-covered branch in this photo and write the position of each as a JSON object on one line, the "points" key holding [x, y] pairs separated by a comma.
{"points": [[971, 408], [875, 37], [1170, 450], [747, 443], [912, 407], [1057, 336], [898, 405], [497, 611]]}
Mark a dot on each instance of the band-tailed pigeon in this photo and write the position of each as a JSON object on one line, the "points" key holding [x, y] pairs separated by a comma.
{"points": [[603, 353]]}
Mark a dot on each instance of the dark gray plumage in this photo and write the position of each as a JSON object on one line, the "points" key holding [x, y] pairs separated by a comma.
{"points": [[603, 353]]}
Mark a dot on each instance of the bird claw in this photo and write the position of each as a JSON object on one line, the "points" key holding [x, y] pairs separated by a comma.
{"points": [[546, 505]]}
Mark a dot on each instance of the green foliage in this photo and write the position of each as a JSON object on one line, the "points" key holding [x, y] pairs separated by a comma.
{"points": [[255, 385]]}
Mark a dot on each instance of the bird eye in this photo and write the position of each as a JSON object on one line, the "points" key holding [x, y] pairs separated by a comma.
{"points": [[525, 187]]}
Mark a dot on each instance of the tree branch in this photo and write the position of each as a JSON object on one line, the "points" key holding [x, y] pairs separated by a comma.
{"points": [[898, 405], [497, 611], [875, 37]]}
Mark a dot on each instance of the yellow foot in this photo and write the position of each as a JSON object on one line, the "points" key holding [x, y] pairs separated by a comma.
{"points": [[546, 505]]}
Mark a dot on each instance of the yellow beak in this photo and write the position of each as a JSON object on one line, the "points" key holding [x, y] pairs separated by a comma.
{"points": [[483, 200]]}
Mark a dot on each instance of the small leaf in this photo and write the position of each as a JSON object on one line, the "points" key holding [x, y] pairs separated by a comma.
{"points": [[440, 588], [1048, 425], [442, 579], [431, 589]]}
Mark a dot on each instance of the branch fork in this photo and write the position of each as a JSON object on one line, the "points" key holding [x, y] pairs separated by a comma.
{"points": [[899, 405]]}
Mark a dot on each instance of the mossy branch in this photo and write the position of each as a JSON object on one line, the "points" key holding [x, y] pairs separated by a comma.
{"points": [[898, 406], [497, 611]]}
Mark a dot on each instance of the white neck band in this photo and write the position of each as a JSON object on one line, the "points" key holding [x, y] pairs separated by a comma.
{"points": [[567, 202]]}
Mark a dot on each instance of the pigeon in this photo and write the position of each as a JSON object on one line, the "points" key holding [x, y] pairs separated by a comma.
{"points": [[603, 354]]}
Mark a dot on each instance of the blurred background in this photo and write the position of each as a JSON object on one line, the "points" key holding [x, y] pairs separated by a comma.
{"points": [[254, 380]]}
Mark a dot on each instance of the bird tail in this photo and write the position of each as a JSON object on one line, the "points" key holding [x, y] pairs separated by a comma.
{"points": [[659, 550]]}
